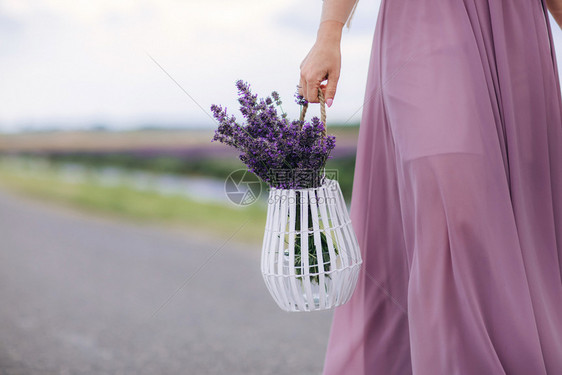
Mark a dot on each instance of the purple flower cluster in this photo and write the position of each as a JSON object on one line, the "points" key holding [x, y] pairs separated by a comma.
{"points": [[284, 154]]}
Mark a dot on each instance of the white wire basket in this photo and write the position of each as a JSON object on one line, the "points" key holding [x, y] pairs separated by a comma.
{"points": [[327, 277]]}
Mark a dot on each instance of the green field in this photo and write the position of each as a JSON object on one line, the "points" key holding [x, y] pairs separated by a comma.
{"points": [[213, 219]]}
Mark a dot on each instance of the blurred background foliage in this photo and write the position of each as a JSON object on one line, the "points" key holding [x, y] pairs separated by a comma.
{"points": [[174, 177]]}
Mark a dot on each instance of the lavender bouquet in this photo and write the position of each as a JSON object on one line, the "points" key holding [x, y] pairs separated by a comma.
{"points": [[284, 154]]}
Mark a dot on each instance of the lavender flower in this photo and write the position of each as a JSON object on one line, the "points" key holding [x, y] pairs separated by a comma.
{"points": [[299, 98], [273, 148]]}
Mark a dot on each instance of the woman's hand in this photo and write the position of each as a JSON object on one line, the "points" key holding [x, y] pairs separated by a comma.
{"points": [[323, 62]]}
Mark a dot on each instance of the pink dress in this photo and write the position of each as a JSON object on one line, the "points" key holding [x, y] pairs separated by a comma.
{"points": [[457, 198]]}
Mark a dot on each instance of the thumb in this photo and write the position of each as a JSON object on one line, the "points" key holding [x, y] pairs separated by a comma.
{"points": [[331, 89]]}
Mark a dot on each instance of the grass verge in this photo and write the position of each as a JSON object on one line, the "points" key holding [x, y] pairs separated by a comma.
{"points": [[124, 201]]}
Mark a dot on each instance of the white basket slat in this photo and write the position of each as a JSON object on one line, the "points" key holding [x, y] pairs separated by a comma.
{"points": [[338, 222], [281, 230], [328, 227], [304, 248], [267, 236], [292, 234], [275, 206], [317, 245]]}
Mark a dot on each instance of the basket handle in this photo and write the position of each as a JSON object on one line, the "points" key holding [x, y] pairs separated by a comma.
{"points": [[322, 111]]}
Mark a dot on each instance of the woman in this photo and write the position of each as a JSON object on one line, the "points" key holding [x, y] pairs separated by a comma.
{"points": [[457, 197]]}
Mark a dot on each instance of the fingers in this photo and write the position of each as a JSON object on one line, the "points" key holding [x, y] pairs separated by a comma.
{"points": [[302, 87], [310, 88], [330, 92], [312, 92], [309, 84], [302, 81]]}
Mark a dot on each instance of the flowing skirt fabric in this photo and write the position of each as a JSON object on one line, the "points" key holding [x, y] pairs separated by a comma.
{"points": [[457, 197]]}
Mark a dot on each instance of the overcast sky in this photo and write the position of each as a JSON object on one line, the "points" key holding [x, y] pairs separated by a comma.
{"points": [[74, 63]]}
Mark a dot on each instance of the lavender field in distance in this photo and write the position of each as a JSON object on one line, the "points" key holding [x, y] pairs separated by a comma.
{"points": [[180, 152]]}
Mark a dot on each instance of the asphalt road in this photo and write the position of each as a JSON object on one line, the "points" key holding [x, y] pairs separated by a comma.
{"points": [[82, 294]]}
